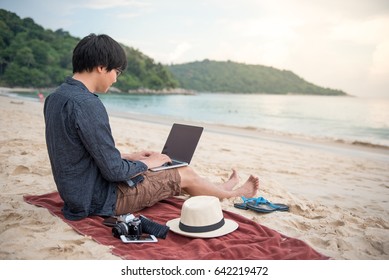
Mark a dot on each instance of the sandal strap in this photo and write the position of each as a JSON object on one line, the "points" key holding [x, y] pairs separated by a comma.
{"points": [[245, 200], [259, 200]]}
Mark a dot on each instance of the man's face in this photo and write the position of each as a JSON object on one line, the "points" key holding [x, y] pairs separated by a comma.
{"points": [[108, 78]]}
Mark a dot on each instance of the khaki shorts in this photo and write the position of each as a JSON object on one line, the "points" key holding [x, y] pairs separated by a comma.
{"points": [[155, 187]]}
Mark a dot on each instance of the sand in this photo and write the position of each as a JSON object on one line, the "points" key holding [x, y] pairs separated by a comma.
{"points": [[338, 193]]}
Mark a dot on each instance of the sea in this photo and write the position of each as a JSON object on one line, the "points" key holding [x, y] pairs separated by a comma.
{"points": [[358, 120]]}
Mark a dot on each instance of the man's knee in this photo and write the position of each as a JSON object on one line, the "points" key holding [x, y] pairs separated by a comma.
{"points": [[188, 176]]}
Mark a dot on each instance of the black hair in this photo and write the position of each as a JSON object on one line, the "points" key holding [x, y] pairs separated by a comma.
{"points": [[98, 50]]}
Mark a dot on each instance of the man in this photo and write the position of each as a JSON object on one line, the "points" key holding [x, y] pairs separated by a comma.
{"points": [[92, 176]]}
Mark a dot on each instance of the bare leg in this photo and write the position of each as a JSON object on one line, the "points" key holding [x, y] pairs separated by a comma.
{"points": [[232, 181], [194, 185]]}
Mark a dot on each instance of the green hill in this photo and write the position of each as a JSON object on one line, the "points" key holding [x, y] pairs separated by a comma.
{"points": [[214, 76], [31, 56]]}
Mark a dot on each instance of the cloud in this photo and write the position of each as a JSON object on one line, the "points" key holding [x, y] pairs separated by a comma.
{"points": [[128, 15], [368, 51], [179, 51], [249, 39], [369, 31], [379, 70], [104, 4]]}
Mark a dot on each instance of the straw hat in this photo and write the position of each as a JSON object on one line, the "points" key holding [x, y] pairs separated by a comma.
{"points": [[202, 217]]}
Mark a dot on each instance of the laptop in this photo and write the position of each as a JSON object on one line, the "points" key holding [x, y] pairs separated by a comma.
{"points": [[180, 145]]}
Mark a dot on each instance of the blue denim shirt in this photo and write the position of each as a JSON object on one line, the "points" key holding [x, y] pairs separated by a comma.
{"points": [[85, 162]]}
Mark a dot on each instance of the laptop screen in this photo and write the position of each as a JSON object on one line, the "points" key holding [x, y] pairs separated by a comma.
{"points": [[182, 142]]}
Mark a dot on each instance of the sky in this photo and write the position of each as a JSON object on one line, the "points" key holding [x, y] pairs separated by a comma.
{"points": [[340, 44]]}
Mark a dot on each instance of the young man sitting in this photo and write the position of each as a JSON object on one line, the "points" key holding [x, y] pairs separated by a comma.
{"points": [[92, 176]]}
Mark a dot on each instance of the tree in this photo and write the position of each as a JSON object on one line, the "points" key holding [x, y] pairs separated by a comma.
{"points": [[34, 57], [25, 57]]}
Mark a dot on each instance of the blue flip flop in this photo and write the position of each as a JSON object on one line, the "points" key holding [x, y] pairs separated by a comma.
{"points": [[261, 205]]}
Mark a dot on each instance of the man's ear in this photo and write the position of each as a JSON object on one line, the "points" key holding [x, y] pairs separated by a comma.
{"points": [[100, 69]]}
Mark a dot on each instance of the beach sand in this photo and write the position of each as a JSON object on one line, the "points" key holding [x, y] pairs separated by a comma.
{"points": [[338, 193]]}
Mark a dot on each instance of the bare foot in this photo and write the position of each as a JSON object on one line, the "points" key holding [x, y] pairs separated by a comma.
{"points": [[249, 188], [232, 181]]}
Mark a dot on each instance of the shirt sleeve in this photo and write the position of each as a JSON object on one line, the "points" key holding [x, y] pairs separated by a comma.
{"points": [[95, 132]]}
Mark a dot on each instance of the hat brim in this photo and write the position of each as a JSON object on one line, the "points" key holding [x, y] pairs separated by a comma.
{"points": [[228, 227]]}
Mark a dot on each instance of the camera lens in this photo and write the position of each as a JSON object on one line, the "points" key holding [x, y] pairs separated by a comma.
{"points": [[120, 229]]}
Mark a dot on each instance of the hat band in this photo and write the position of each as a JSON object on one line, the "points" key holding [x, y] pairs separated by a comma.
{"points": [[212, 227]]}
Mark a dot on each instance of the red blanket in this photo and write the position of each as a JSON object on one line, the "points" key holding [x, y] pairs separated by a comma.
{"points": [[249, 241]]}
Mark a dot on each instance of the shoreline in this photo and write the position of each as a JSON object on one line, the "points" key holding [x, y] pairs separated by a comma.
{"points": [[340, 146], [338, 194], [248, 131]]}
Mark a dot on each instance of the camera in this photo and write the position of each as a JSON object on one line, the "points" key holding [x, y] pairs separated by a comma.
{"points": [[129, 226], [132, 227]]}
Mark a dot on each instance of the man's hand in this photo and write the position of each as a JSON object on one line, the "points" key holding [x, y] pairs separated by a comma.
{"points": [[154, 159], [150, 158], [137, 156]]}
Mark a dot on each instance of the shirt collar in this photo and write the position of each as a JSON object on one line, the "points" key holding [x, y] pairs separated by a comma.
{"points": [[74, 82]]}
